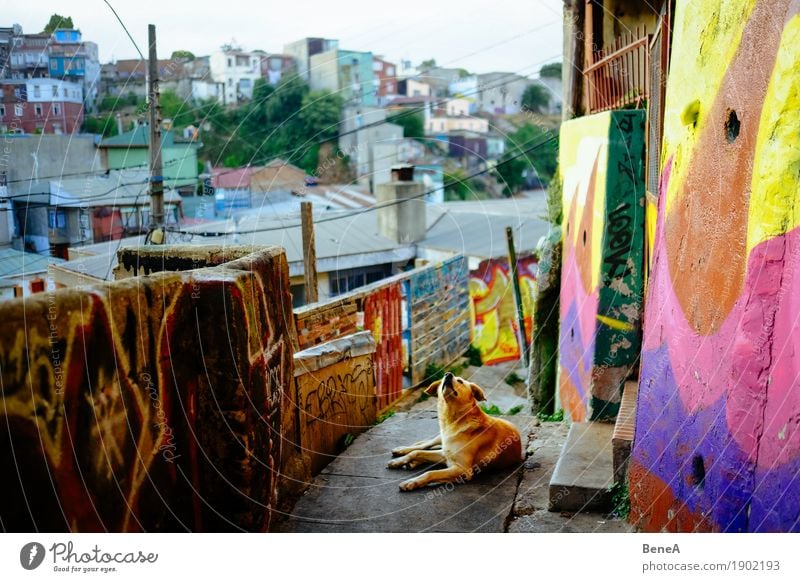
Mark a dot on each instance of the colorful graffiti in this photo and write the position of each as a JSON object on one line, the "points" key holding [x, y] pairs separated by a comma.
{"points": [[602, 167], [139, 406], [493, 311], [717, 443]]}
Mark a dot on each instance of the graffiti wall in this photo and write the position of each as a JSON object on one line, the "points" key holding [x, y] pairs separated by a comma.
{"points": [[150, 404], [493, 311], [717, 443], [601, 161], [437, 303], [335, 394]]}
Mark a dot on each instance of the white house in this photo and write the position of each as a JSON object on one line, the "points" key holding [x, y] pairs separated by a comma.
{"points": [[237, 70]]}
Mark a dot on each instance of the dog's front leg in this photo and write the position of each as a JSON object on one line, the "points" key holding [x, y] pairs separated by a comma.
{"points": [[418, 446], [416, 458], [448, 475]]}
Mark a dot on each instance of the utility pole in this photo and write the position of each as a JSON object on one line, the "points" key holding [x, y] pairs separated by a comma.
{"points": [[512, 262], [309, 252], [156, 177]]}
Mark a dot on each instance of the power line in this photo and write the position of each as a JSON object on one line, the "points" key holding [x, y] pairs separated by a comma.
{"points": [[125, 28], [376, 206]]}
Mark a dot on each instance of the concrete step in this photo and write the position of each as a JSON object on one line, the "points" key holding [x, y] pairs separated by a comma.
{"points": [[585, 469]]}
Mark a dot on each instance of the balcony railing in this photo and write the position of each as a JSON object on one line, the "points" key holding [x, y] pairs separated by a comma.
{"points": [[618, 76]]}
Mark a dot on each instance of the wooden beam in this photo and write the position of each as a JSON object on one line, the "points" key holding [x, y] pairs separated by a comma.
{"points": [[309, 253]]}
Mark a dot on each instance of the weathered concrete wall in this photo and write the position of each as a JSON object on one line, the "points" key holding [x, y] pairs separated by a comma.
{"points": [[602, 166], [336, 395], [717, 444], [493, 311], [154, 403]]}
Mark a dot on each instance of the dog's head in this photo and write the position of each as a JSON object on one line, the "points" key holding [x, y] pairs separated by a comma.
{"points": [[455, 391]]}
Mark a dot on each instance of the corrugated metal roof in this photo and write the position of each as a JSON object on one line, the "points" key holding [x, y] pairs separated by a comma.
{"points": [[478, 229], [14, 263]]}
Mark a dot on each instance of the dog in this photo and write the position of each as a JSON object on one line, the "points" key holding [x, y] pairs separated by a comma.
{"points": [[470, 439]]}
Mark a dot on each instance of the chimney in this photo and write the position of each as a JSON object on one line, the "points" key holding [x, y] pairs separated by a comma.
{"points": [[401, 207]]}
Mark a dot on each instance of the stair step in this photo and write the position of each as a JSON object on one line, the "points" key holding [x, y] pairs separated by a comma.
{"points": [[585, 469], [624, 429]]}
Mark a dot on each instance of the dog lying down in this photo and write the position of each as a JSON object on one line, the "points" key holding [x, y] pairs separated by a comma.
{"points": [[471, 441]]}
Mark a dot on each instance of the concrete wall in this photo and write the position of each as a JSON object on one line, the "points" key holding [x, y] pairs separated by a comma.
{"points": [[717, 443], [602, 166], [25, 157], [153, 403]]}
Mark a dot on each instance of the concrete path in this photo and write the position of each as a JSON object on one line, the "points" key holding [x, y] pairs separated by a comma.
{"points": [[357, 493]]}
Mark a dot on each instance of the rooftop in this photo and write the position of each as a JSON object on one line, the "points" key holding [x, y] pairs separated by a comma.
{"points": [[140, 137], [14, 263]]}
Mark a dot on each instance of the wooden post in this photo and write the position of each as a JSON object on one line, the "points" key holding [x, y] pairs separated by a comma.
{"points": [[512, 262], [156, 177], [309, 253]]}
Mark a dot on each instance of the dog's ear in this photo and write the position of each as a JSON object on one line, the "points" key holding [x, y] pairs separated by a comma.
{"points": [[477, 392], [433, 388]]}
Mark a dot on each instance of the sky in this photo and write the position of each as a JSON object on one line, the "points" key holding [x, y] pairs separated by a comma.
{"points": [[509, 36]]}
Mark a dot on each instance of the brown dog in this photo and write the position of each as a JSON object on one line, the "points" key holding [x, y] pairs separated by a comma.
{"points": [[470, 439]]}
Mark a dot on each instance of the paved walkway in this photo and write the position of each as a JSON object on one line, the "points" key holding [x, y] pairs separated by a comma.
{"points": [[357, 493]]}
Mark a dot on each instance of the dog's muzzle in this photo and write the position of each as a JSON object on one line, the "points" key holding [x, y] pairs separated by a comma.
{"points": [[447, 383]]}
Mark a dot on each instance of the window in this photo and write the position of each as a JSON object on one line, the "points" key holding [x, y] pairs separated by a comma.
{"points": [[37, 91], [230, 62], [347, 280], [57, 218], [230, 82], [2, 110], [37, 109], [55, 90], [18, 111], [56, 109], [390, 71], [57, 129]]}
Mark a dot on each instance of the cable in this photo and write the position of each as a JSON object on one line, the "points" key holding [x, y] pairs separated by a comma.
{"points": [[376, 206], [88, 173], [125, 28]]}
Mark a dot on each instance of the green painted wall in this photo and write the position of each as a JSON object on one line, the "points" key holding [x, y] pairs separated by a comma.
{"points": [[180, 162]]}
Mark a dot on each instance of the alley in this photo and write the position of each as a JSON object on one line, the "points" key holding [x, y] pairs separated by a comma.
{"points": [[357, 493]]}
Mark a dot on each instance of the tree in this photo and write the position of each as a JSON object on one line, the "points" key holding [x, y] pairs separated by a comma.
{"points": [[427, 64], [57, 21], [551, 70], [105, 126], [413, 124], [181, 54], [535, 98], [516, 167]]}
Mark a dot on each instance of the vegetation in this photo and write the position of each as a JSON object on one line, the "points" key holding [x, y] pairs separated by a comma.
{"points": [[427, 64], [57, 21], [557, 416], [473, 356], [535, 98], [413, 125], [434, 372], [458, 187], [551, 70], [287, 121], [554, 199], [105, 126], [385, 416], [514, 378], [620, 499], [120, 102], [494, 410], [184, 55], [541, 162]]}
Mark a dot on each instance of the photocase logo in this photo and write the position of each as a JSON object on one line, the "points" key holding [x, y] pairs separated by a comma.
{"points": [[31, 555]]}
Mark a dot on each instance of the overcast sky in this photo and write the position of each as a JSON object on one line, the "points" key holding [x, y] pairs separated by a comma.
{"points": [[506, 35]]}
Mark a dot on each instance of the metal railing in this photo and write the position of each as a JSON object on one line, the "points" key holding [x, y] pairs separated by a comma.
{"points": [[618, 76]]}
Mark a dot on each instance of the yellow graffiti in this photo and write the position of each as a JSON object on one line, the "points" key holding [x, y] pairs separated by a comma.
{"points": [[494, 317], [615, 323], [773, 208]]}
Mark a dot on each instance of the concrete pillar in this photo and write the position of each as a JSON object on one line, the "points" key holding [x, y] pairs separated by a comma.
{"points": [[401, 210]]}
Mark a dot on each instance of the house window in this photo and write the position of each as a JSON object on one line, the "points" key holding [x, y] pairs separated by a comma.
{"points": [[56, 109], [37, 109], [230, 82], [230, 62], [347, 280], [55, 90], [37, 91], [57, 129], [2, 110], [18, 110], [56, 219], [390, 71]]}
